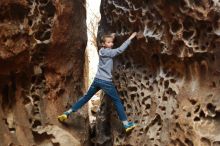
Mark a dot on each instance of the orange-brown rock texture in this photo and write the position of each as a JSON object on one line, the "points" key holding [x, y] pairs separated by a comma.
{"points": [[169, 80], [42, 45]]}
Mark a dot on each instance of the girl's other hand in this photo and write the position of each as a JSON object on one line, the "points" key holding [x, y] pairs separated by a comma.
{"points": [[132, 35]]}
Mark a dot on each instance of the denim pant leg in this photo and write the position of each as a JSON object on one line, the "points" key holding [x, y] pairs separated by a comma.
{"points": [[111, 91], [93, 89]]}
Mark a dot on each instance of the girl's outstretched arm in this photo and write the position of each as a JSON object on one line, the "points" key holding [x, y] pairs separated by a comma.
{"points": [[114, 52]]}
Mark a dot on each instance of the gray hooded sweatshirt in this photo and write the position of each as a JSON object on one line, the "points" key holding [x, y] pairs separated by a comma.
{"points": [[106, 56]]}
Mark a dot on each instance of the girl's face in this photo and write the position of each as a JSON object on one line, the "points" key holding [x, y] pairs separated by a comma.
{"points": [[108, 42]]}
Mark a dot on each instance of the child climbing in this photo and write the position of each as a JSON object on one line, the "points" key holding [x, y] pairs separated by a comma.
{"points": [[103, 80]]}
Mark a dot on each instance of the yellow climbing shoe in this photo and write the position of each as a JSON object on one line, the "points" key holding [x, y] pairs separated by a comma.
{"points": [[62, 117]]}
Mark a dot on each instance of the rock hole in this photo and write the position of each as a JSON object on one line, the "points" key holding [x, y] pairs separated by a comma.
{"points": [[43, 1], [12, 130], [216, 143], [169, 74], [155, 82], [36, 97], [192, 101], [196, 119], [30, 22], [147, 83], [147, 106], [60, 92], [132, 89], [171, 92], [142, 86], [40, 138], [188, 114], [132, 96], [129, 106], [207, 43], [172, 80], [36, 111], [11, 144], [165, 98], [151, 88], [196, 41], [145, 78], [201, 114], [152, 139], [189, 142], [173, 111], [36, 123], [203, 48], [205, 141], [196, 48], [217, 115], [166, 84], [175, 26], [198, 3], [187, 23], [26, 100], [42, 35], [162, 108], [18, 12], [33, 78], [50, 9], [213, 84], [187, 34], [197, 108], [36, 105], [116, 76], [128, 65], [144, 100], [211, 107]]}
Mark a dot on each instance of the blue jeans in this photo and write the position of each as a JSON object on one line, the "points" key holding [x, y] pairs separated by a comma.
{"points": [[109, 88]]}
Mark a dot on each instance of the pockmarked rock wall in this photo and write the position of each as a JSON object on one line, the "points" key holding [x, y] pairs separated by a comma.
{"points": [[42, 45], [169, 80]]}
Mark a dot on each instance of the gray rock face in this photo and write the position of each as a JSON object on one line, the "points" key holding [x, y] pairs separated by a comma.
{"points": [[169, 80]]}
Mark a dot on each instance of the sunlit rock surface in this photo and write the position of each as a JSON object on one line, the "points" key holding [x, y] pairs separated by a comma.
{"points": [[42, 45], [168, 80]]}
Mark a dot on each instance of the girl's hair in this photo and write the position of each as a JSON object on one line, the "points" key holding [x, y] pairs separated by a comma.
{"points": [[102, 40]]}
